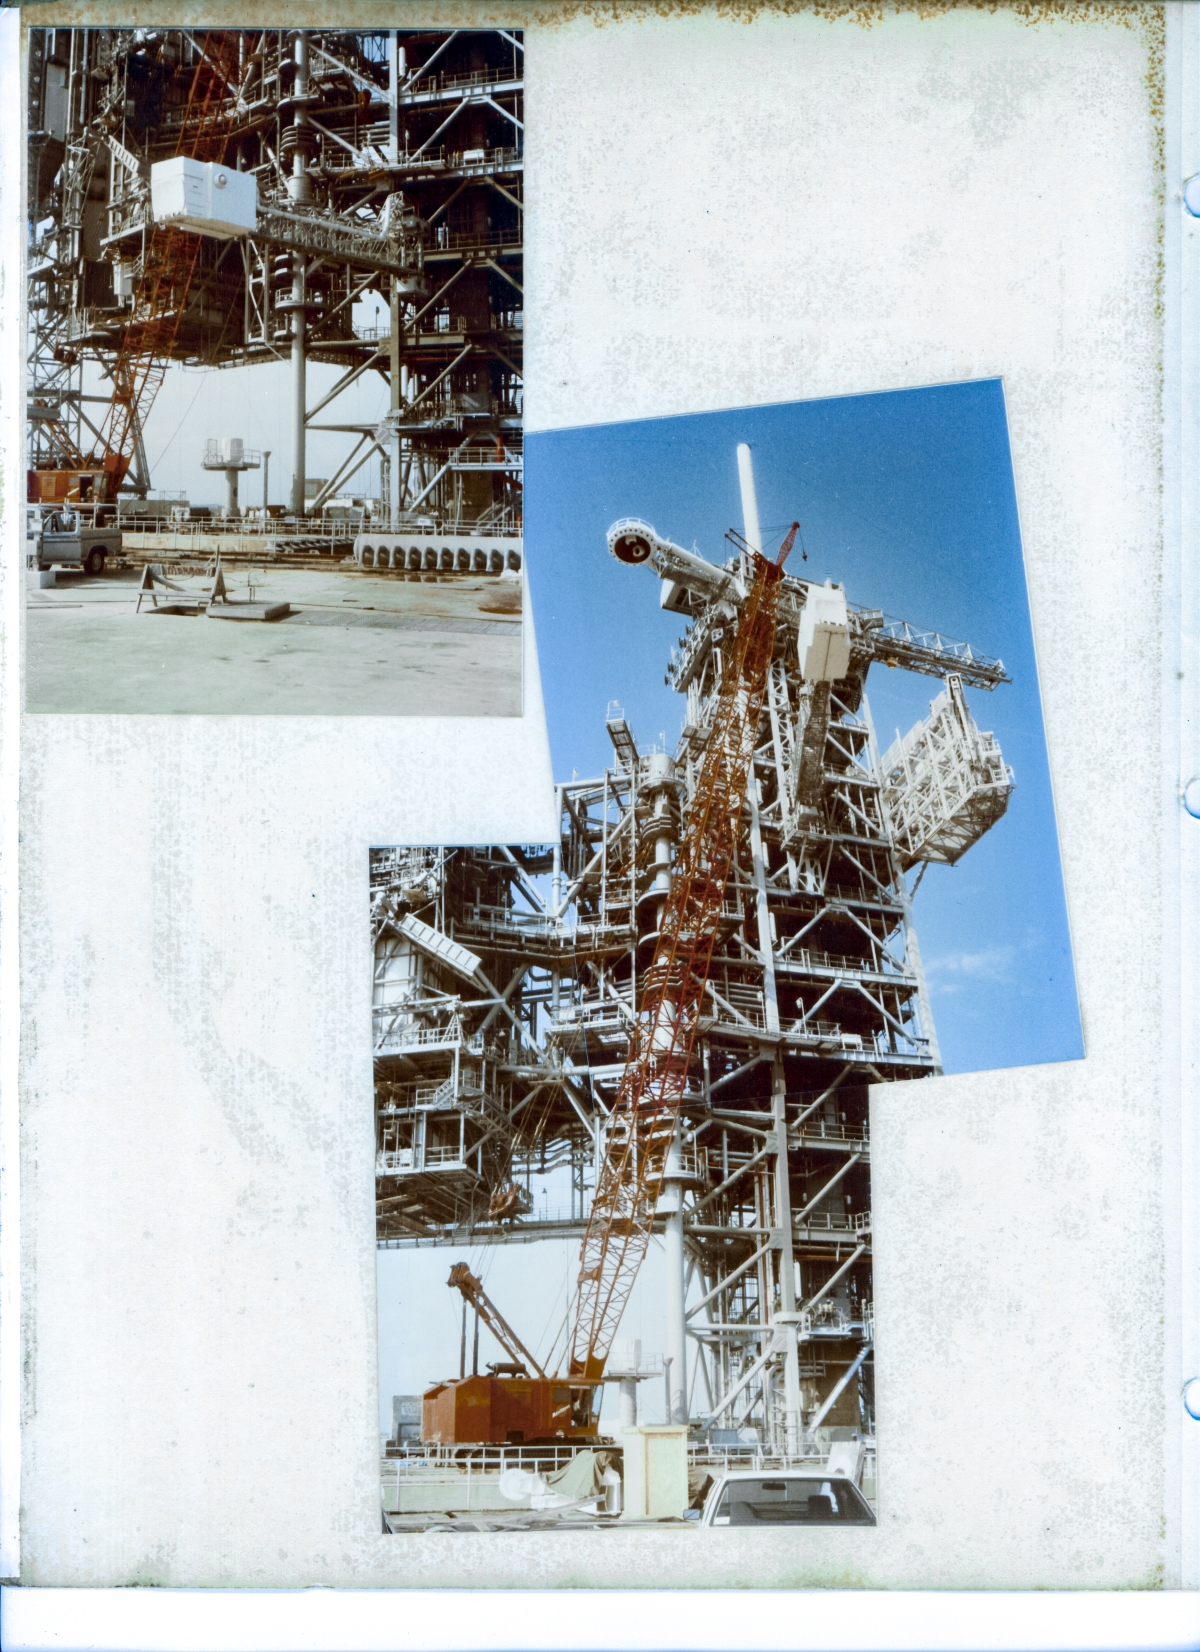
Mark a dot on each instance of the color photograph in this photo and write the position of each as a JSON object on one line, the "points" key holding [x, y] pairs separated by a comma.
{"points": [[275, 244], [623, 1080]]}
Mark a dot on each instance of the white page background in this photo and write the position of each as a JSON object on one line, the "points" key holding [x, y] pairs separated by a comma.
{"points": [[721, 211]]}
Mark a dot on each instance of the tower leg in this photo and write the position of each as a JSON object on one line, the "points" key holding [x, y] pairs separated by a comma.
{"points": [[676, 1348], [787, 1265], [395, 476], [299, 380], [299, 189], [396, 69]]}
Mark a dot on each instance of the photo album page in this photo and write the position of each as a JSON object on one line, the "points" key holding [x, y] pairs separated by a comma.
{"points": [[597, 817]]}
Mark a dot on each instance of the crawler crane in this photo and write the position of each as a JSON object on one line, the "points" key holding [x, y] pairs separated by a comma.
{"points": [[643, 1123], [509, 1404]]}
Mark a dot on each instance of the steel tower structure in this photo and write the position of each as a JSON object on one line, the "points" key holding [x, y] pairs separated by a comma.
{"points": [[509, 982], [385, 162]]}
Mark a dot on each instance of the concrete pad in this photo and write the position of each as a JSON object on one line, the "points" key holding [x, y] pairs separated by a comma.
{"points": [[351, 644]]}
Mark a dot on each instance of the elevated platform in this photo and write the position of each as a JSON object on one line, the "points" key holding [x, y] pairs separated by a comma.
{"points": [[298, 550], [442, 553]]}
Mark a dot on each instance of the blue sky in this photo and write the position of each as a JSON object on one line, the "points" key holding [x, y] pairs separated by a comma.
{"points": [[907, 498]]}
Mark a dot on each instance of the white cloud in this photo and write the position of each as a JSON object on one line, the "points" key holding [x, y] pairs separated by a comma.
{"points": [[992, 964]]}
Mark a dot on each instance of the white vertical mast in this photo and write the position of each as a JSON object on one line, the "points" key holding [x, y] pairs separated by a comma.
{"points": [[752, 533]]}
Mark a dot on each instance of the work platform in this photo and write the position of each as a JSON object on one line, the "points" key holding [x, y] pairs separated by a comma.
{"points": [[313, 550], [415, 557]]}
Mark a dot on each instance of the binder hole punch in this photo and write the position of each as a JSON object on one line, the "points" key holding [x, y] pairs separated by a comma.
{"points": [[1191, 797], [1191, 195], [1191, 1398]]}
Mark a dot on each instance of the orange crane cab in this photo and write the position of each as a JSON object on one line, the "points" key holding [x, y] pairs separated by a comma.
{"points": [[509, 1410], [515, 1403]]}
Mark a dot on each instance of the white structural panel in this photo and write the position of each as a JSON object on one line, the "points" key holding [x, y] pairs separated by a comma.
{"points": [[203, 197]]}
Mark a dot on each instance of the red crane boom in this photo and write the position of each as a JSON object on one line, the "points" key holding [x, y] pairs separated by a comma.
{"points": [[654, 1080], [168, 266]]}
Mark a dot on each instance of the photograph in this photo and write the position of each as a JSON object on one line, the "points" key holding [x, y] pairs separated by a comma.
{"points": [[287, 244], [622, 1080], [600, 993]]}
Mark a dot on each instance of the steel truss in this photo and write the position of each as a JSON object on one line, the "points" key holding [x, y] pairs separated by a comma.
{"points": [[815, 991], [386, 162]]}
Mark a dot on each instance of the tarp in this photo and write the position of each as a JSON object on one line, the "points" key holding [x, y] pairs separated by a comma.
{"points": [[581, 1477]]}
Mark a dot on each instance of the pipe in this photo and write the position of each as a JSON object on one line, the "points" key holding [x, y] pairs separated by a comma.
{"points": [[299, 189], [628, 1402], [787, 1266], [673, 1245], [299, 383]]}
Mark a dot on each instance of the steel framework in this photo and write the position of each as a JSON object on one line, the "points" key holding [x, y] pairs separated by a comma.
{"points": [[385, 162], [645, 1116], [813, 991]]}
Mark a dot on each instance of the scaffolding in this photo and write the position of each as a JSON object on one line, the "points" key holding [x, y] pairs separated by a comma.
{"points": [[814, 991], [385, 163], [945, 783]]}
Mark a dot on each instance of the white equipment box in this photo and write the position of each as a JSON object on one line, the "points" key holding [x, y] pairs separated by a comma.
{"points": [[656, 1472], [824, 640], [204, 197]]}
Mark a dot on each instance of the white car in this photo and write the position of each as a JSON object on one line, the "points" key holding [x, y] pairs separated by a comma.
{"points": [[785, 1497]]}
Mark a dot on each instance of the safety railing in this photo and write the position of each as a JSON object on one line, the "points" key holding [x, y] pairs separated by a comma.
{"points": [[406, 1097], [412, 1457], [837, 1221], [455, 82], [474, 458], [398, 1160], [807, 958], [822, 1129], [274, 527], [445, 239]]}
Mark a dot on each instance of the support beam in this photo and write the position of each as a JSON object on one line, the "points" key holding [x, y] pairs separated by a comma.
{"points": [[729, 1280], [836, 1392], [676, 1342]]}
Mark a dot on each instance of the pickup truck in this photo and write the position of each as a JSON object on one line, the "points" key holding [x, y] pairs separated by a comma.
{"points": [[61, 540]]}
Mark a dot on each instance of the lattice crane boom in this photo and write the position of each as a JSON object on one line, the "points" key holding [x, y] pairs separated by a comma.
{"points": [[653, 1083], [462, 1279]]}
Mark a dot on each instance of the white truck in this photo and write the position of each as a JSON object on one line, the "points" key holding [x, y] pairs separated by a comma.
{"points": [[61, 539]]}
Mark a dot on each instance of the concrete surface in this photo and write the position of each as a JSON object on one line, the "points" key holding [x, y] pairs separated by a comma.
{"points": [[353, 644]]}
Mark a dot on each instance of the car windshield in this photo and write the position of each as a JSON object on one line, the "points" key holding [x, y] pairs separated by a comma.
{"points": [[789, 1500]]}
